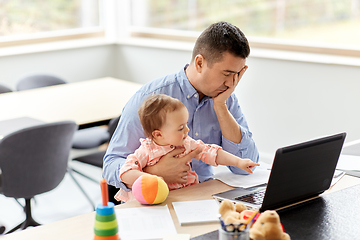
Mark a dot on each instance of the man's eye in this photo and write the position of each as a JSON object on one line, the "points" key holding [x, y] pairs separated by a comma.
{"points": [[226, 74]]}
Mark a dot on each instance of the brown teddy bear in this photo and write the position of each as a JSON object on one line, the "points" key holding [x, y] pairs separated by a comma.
{"points": [[231, 213], [268, 227]]}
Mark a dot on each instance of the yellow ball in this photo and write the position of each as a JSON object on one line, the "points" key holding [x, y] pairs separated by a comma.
{"points": [[150, 189]]}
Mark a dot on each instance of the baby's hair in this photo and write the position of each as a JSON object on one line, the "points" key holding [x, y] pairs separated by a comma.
{"points": [[153, 110]]}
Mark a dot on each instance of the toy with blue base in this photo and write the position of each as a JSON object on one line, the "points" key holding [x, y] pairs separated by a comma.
{"points": [[106, 226]]}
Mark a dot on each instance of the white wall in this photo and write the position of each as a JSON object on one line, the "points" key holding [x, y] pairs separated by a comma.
{"points": [[288, 102], [285, 102], [143, 64], [73, 65]]}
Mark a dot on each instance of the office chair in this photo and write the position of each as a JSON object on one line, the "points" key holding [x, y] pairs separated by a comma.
{"points": [[38, 81], [96, 158], [84, 138], [34, 160], [4, 89]]}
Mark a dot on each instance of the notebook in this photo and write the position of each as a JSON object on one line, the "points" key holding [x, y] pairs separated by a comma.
{"points": [[197, 212], [299, 172]]}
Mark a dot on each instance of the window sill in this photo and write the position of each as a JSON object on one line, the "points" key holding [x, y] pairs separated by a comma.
{"points": [[305, 57], [255, 52], [177, 45], [54, 46]]}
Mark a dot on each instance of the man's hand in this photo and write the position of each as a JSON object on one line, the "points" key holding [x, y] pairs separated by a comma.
{"points": [[229, 127], [222, 97], [172, 168]]}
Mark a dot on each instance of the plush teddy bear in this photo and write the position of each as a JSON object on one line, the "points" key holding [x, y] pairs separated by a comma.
{"points": [[231, 213], [268, 227]]}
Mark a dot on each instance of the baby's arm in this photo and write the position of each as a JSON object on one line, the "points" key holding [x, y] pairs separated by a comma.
{"points": [[227, 159], [133, 167], [130, 176]]}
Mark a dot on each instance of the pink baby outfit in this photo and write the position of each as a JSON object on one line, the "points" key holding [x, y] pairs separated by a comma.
{"points": [[149, 153]]}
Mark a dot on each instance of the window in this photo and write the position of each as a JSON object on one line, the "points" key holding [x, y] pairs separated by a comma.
{"points": [[321, 23], [20, 19]]}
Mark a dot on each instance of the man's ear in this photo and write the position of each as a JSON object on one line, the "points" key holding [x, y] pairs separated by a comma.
{"points": [[157, 134], [199, 62]]}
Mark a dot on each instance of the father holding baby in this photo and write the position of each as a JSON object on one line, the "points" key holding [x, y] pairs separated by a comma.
{"points": [[206, 87]]}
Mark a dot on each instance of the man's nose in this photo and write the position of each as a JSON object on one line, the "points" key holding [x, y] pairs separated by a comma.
{"points": [[229, 81]]}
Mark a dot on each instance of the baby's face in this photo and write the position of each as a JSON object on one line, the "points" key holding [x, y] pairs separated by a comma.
{"points": [[175, 129]]}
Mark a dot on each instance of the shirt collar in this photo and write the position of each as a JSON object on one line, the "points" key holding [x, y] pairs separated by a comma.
{"points": [[185, 84]]}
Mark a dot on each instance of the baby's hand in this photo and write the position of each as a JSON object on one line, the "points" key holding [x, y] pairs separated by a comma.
{"points": [[247, 165]]}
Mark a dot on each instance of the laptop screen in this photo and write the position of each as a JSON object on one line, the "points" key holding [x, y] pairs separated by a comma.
{"points": [[302, 171]]}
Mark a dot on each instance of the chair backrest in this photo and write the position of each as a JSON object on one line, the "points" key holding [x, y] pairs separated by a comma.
{"points": [[38, 81], [34, 160], [112, 125], [4, 89]]}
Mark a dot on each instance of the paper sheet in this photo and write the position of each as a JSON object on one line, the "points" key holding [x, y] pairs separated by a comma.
{"points": [[152, 222], [348, 162], [196, 212], [337, 176], [260, 176]]}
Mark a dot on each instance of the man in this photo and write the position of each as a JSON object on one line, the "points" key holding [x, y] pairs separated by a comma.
{"points": [[206, 87]]}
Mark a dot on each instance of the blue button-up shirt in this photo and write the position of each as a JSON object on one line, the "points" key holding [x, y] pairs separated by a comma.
{"points": [[203, 124]]}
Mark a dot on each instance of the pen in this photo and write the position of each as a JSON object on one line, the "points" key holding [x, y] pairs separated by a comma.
{"points": [[251, 218]]}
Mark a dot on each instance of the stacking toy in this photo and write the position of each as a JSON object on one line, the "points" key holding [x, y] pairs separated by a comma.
{"points": [[106, 226], [150, 189]]}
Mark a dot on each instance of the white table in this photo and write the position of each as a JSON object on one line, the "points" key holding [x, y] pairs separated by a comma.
{"points": [[86, 102]]}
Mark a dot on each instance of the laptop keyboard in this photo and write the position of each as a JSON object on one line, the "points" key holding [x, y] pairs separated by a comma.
{"points": [[254, 198]]}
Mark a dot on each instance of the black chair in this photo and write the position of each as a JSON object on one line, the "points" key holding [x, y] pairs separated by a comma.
{"points": [[4, 89], [2, 229], [38, 81], [90, 137], [96, 158], [84, 138], [34, 160]]}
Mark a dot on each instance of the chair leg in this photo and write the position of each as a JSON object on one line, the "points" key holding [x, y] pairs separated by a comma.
{"points": [[19, 202], [85, 176], [29, 221], [81, 189], [2, 229]]}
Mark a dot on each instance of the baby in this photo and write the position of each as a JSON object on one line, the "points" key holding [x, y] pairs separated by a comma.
{"points": [[164, 120]]}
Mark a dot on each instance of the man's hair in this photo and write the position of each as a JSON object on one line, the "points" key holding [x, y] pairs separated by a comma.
{"points": [[153, 110], [219, 38]]}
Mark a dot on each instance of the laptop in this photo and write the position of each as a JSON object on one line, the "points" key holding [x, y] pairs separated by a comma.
{"points": [[299, 172]]}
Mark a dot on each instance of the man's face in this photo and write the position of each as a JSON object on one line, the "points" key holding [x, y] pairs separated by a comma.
{"points": [[220, 76]]}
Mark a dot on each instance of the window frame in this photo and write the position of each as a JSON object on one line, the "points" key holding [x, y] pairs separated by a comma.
{"points": [[115, 25], [55, 36], [254, 42]]}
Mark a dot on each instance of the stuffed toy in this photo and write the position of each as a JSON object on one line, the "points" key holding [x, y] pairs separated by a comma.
{"points": [[150, 189], [268, 227], [234, 213]]}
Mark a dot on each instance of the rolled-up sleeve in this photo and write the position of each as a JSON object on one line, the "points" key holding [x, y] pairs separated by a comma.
{"points": [[124, 142], [246, 148]]}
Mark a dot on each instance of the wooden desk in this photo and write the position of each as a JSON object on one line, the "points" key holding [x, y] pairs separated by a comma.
{"points": [[81, 227], [86, 102]]}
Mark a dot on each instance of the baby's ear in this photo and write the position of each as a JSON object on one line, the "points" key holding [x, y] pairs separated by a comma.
{"points": [[156, 134]]}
